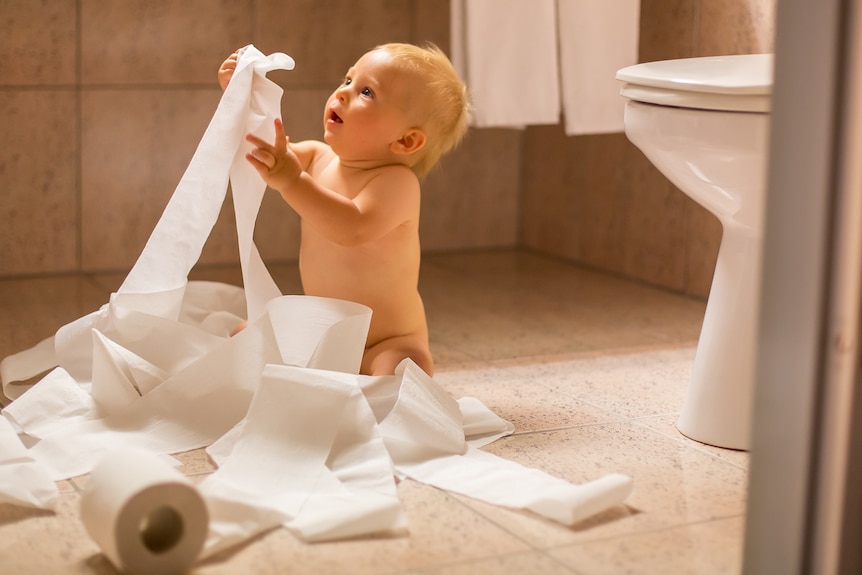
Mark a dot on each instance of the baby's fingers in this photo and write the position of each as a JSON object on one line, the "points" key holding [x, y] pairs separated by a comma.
{"points": [[280, 138], [258, 142], [264, 158]]}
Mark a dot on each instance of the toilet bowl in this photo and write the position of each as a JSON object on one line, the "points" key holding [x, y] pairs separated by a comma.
{"points": [[704, 123]]}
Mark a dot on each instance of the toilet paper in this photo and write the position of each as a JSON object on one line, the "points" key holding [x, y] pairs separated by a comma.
{"points": [[145, 515], [22, 480]]}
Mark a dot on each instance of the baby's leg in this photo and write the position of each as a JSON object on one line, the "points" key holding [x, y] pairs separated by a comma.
{"points": [[239, 327], [383, 357]]}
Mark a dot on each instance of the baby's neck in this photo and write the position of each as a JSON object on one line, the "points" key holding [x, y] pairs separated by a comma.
{"points": [[370, 164]]}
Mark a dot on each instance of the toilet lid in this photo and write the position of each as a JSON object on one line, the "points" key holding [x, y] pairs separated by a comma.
{"points": [[741, 83]]}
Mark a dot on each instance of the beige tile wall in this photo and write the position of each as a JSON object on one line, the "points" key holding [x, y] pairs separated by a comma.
{"points": [[102, 104], [598, 201]]}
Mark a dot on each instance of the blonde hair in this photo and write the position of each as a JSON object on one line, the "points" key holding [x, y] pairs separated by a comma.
{"points": [[445, 117]]}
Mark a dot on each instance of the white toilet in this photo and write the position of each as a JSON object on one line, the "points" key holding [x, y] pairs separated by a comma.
{"points": [[704, 123]]}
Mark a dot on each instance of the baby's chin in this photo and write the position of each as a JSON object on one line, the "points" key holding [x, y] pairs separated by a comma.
{"points": [[327, 137]]}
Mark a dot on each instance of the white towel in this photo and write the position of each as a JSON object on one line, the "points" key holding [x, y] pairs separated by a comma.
{"points": [[597, 38], [506, 52]]}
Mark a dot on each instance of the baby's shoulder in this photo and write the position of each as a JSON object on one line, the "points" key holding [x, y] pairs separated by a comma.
{"points": [[398, 173], [395, 182], [312, 148], [313, 154]]}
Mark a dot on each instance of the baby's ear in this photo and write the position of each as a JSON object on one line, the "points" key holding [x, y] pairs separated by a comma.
{"points": [[411, 142]]}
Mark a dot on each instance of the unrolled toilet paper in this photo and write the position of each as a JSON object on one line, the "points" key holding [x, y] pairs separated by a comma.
{"points": [[147, 518]]}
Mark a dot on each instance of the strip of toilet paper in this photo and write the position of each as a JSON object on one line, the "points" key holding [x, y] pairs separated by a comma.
{"points": [[146, 516], [22, 480], [300, 439]]}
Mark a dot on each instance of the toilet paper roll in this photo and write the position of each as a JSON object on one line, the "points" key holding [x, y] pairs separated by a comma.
{"points": [[145, 515]]}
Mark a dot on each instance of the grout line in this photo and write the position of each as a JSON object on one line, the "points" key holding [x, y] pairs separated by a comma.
{"points": [[649, 531], [79, 143], [690, 443], [436, 567], [501, 527]]}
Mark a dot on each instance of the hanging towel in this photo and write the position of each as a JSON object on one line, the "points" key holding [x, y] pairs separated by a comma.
{"points": [[506, 52], [597, 38]]}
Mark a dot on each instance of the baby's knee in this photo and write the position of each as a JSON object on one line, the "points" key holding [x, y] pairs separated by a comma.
{"points": [[239, 327]]}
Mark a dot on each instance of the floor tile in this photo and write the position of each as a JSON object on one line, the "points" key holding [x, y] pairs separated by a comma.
{"points": [[628, 385], [591, 369], [195, 462], [500, 307], [515, 564], [666, 424], [673, 484], [441, 531], [521, 399], [709, 548], [39, 542]]}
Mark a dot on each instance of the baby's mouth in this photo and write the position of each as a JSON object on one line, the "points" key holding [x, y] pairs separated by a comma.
{"points": [[333, 117]]}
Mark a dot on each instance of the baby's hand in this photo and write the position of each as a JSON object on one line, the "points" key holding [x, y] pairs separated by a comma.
{"points": [[277, 164], [226, 70]]}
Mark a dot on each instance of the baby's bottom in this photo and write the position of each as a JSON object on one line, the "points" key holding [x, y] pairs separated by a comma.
{"points": [[384, 356]]}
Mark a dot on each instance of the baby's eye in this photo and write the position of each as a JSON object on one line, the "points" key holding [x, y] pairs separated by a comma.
{"points": [[347, 81], [367, 92]]}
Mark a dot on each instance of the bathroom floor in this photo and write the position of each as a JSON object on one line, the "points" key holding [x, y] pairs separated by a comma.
{"points": [[592, 370]]}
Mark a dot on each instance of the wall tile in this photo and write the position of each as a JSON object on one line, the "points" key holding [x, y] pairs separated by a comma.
{"points": [[668, 29], [604, 206], [326, 37], [38, 179], [38, 42], [590, 199], [736, 27], [598, 201], [277, 230], [302, 112], [221, 246], [548, 209], [431, 23], [655, 230], [160, 41], [471, 199], [135, 147]]}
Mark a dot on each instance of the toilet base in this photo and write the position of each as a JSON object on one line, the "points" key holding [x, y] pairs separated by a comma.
{"points": [[718, 404]]}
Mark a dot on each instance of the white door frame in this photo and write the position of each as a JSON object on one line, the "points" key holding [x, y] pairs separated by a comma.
{"points": [[805, 487]]}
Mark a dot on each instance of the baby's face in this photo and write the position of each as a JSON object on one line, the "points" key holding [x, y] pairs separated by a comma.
{"points": [[370, 109]]}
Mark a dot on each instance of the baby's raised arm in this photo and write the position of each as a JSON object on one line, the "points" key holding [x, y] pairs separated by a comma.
{"points": [[385, 201]]}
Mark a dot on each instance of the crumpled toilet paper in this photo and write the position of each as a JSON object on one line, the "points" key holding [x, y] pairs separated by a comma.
{"points": [[300, 439], [22, 480]]}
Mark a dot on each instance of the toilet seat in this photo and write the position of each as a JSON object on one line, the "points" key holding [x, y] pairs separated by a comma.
{"points": [[739, 83]]}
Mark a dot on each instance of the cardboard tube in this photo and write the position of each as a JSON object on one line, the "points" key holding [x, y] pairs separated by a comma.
{"points": [[145, 515]]}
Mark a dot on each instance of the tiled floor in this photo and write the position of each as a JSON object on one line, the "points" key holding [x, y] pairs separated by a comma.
{"points": [[590, 368]]}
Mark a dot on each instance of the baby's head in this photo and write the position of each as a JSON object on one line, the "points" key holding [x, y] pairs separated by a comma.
{"points": [[441, 103]]}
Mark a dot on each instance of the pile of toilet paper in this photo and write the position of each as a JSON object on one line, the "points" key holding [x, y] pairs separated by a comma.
{"points": [[300, 439]]}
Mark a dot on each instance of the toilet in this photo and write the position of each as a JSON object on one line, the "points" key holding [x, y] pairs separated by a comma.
{"points": [[704, 123]]}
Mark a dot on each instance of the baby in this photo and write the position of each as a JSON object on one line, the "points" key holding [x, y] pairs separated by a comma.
{"points": [[399, 108]]}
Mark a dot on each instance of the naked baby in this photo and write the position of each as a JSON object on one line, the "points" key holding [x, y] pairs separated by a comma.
{"points": [[397, 111]]}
